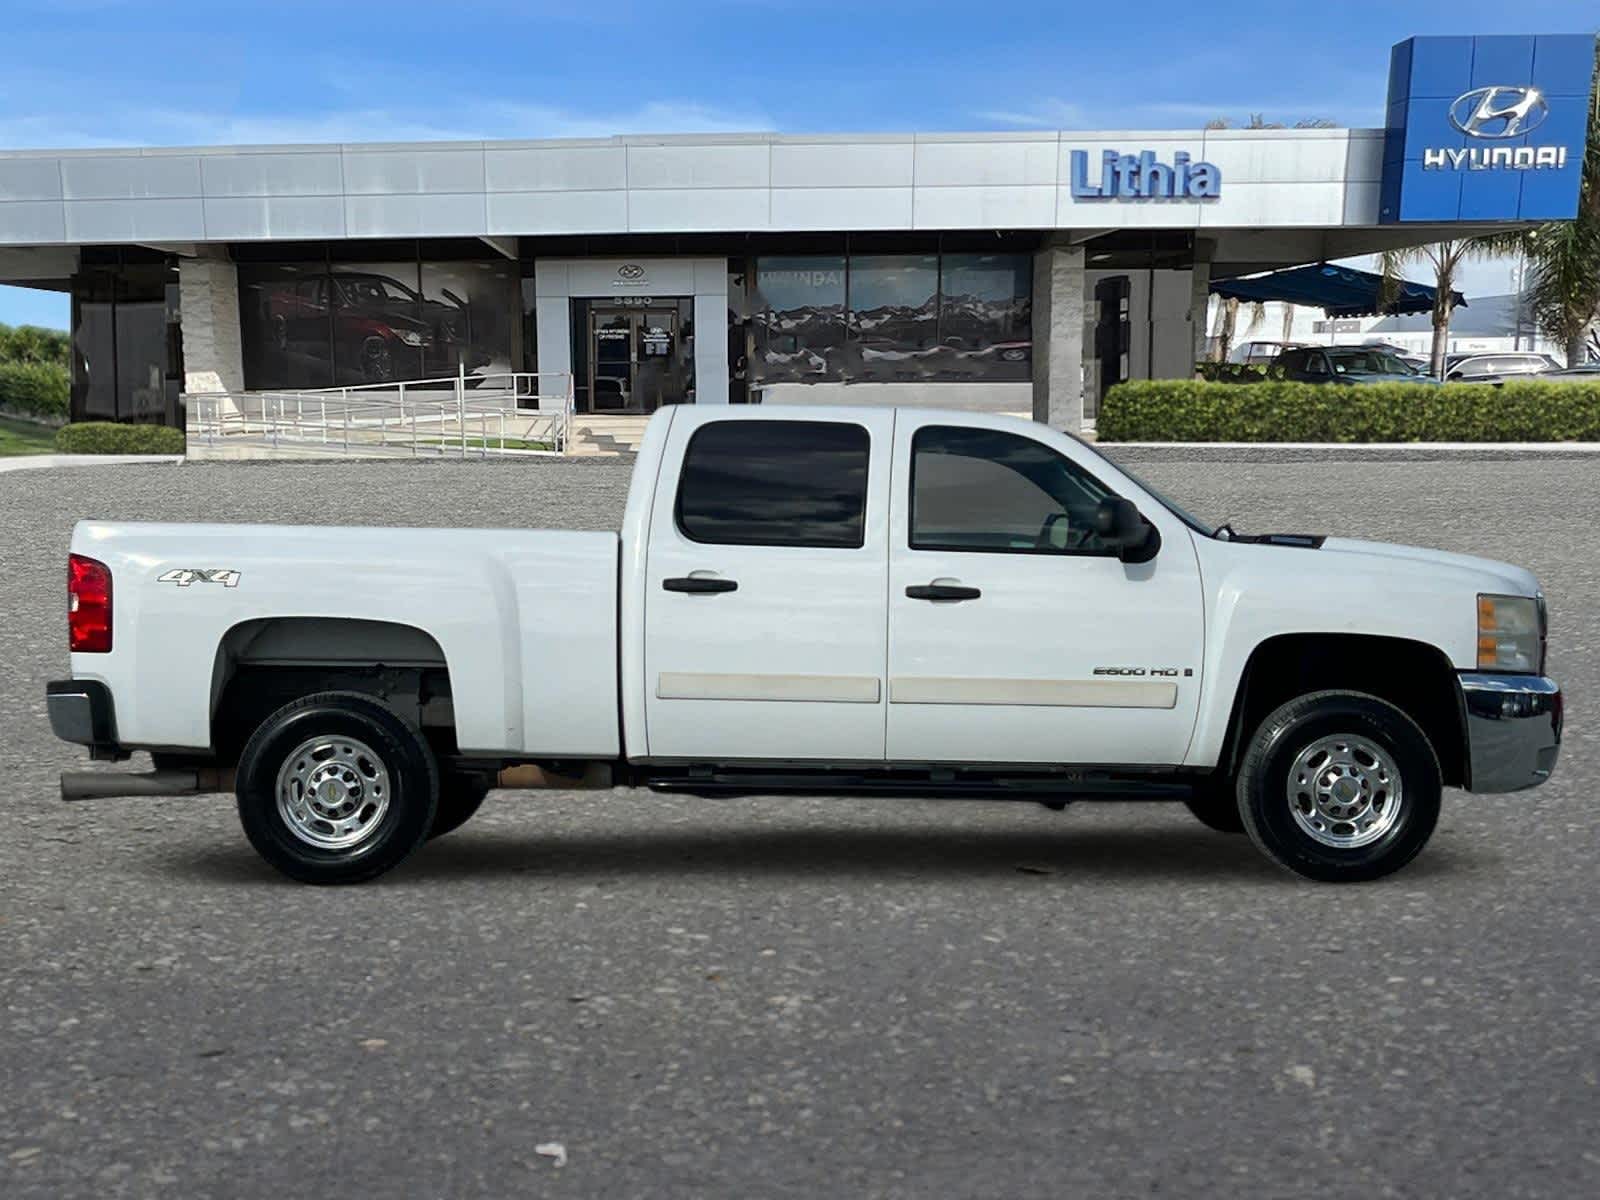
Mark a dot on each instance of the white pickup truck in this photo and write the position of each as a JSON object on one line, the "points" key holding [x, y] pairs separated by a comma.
{"points": [[847, 601]]}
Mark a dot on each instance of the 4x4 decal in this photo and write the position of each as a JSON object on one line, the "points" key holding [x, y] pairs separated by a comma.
{"points": [[184, 576]]}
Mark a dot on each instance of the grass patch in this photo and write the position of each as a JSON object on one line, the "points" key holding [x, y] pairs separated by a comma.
{"points": [[24, 437]]}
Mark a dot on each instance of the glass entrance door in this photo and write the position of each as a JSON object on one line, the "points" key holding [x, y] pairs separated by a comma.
{"points": [[635, 361]]}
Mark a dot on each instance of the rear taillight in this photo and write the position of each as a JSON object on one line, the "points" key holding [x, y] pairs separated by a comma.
{"points": [[88, 605]]}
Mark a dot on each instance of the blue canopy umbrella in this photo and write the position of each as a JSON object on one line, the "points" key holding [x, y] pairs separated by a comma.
{"points": [[1338, 291]]}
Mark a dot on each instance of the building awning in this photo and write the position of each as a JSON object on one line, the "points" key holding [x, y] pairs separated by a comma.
{"points": [[1338, 291]]}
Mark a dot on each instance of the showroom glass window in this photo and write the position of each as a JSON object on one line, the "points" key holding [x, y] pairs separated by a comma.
{"points": [[985, 316], [775, 483], [393, 317], [799, 318], [990, 491], [893, 317], [127, 362]]}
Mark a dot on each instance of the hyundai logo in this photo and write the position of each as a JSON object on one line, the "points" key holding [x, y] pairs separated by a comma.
{"points": [[1499, 112], [630, 271]]}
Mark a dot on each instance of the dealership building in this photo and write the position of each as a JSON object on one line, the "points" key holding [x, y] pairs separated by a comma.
{"points": [[1020, 271]]}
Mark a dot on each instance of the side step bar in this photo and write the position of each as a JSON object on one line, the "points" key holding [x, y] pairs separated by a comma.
{"points": [[103, 785]]}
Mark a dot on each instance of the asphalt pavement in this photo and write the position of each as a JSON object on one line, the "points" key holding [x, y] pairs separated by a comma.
{"points": [[622, 994]]}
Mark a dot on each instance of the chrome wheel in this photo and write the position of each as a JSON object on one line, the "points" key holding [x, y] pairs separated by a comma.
{"points": [[1345, 792], [333, 792]]}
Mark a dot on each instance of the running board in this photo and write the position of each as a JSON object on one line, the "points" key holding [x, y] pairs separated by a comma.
{"points": [[940, 786]]}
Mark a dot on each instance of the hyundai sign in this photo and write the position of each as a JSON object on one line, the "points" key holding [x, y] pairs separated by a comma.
{"points": [[1486, 128]]}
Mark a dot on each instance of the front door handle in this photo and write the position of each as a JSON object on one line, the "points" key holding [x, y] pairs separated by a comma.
{"points": [[699, 584], [942, 591]]}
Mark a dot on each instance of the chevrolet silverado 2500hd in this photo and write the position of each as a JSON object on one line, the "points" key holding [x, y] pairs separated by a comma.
{"points": [[811, 600]]}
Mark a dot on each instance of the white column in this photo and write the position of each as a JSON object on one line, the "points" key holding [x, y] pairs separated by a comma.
{"points": [[208, 296], [1058, 304], [711, 331]]}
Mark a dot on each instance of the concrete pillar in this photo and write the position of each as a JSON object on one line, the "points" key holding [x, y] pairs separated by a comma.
{"points": [[1058, 307], [208, 295]]}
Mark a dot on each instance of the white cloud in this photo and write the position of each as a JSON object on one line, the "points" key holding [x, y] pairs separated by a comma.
{"points": [[1046, 113], [468, 119]]}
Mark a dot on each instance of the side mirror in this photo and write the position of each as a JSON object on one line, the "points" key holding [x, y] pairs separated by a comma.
{"points": [[1120, 525]]}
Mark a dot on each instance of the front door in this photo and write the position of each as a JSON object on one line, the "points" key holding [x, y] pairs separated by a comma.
{"points": [[634, 359], [1015, 634], [611, 359], [764, 588]]}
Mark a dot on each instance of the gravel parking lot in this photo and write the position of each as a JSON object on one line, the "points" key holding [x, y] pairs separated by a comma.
{"points": [[797, 997]]}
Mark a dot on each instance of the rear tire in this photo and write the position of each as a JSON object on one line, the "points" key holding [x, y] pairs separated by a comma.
{"points": [[336, 788], [1340, 787]]}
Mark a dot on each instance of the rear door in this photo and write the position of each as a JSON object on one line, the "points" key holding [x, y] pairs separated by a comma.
{"points": [[764, 594]]}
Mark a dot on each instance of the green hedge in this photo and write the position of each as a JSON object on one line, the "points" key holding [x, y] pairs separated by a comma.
{"points": [[1228, 372], [1187, 410], [34, 390], [108, 437]]}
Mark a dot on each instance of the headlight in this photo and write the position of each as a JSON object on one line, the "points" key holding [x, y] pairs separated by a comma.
{"points": [[410, 337], [1509, 633]]}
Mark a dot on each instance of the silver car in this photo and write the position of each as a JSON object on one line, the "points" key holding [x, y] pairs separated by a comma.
{"points": [[1495, 367]]}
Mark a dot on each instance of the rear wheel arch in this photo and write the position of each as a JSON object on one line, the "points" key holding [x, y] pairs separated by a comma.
{"points": [[1416, 677], [264, 663]]}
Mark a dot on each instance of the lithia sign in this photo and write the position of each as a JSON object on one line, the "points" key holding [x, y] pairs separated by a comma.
{"points": [[1144, 177]]}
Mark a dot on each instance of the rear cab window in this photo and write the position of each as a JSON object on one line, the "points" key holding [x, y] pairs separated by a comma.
{"points": [[775, 483]]}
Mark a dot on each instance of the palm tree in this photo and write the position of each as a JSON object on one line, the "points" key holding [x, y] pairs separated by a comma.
{"points": [[1564, 256], [1227, 321], [1445, 258]]}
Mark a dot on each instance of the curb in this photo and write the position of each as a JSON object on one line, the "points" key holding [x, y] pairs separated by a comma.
{"points": [[26, 462], [1267, 452]]}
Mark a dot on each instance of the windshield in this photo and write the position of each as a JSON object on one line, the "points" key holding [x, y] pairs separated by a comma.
{"points": [[1367, 362], [1183, 514], [374, 290]]}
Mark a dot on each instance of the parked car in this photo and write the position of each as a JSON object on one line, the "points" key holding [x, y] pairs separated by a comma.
{"points": [[1417, 362], [1259, 353], [1344, 364], [1496, 366], [1586, 373], [811, 601], [382, 328]]}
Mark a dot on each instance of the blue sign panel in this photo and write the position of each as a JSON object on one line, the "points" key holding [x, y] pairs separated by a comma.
{"points": [[1486, 128]]}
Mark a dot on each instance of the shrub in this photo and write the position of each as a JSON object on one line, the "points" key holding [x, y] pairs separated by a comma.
{"points": [[1228, 372], [34, 390], [108, 437], [1187, 410], [32, 344]]}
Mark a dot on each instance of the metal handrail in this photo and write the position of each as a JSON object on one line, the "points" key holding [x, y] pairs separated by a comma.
{"points": [[397, 417]]}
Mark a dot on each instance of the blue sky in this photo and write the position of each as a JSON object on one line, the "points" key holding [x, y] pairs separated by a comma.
{"points": [[148, 72]]}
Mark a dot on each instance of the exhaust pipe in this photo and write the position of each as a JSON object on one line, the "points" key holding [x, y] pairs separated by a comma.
{"points": [[103, 785]]}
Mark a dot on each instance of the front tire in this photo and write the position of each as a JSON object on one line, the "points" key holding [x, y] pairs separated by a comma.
{"points": [[336, 788], [1340, 787], [1215, 804]]}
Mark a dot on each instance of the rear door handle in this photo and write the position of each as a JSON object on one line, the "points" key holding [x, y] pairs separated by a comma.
{"points": [[699, 584], [942, 591]]}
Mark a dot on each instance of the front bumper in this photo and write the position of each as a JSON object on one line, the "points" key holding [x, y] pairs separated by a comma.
{"points": [[1513, 730], [81, 711]]}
